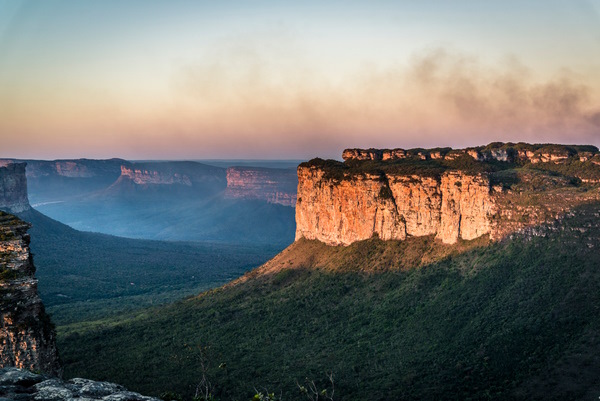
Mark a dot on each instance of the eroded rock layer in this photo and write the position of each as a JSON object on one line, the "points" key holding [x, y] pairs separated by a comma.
{"points": [[147, 176], [27, 338], [392, 206], [505, 152], [276, 186], [13, 187]]}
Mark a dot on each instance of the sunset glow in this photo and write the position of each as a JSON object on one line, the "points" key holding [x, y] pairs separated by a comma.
{"points": [[192, 80]]}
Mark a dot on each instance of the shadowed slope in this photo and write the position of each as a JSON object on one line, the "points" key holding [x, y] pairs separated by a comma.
{"points": [[85, 275], [477, 322]]}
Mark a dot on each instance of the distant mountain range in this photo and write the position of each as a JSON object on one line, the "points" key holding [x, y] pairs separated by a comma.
{"points": [[168, 200], [85, 275]]}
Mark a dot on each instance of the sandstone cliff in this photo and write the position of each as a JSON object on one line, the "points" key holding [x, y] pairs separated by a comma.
{"points": [[27, 338], [448, 193], [13, 187], [145, 176], [276, 186], [75, 168], [392, 206], [168, 173]]}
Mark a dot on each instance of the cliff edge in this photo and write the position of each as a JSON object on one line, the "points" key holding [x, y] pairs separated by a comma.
{"points": [[13, 187], [27, 338], [277, 186], [452, 194]]}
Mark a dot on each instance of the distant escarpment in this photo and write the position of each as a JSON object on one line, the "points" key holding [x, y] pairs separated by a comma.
{"points": [[161, 173], [276, 186], [13, 187], [27, 338], [452, 194]]}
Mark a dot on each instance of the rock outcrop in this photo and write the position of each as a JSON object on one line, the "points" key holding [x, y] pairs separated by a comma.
{"points": [[142, 176], [451, 194], [18, 384], [27, 338], [504, 152], [392, 206], [13, 187], [168, 173], [276, 186], [76, 168]]}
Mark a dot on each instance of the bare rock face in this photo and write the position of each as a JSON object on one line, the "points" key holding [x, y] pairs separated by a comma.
{"points": [[467, 207], [340, 212], [418, 200], [183, 173], [142, 176], [19, 384], [13, 187], [346, 211], [72, 169], [27, 338], [503, 152], [276, 186]]}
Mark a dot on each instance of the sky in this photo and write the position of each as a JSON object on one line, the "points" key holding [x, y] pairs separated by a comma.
{"points": [[145, 79]]}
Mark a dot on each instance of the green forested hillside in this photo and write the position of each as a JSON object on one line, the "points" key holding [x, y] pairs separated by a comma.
{"points": [[517, 319], [85, 276]]}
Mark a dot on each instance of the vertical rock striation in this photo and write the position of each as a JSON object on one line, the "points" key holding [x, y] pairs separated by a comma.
{"points": [[340, 211], [27, 338], [467, 207]]}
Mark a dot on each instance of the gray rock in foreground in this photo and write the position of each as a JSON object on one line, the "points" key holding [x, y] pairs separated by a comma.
{"points": [[19, 384]]}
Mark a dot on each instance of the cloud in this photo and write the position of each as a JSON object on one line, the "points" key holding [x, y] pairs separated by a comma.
{"points": [[438, 97], [266, 97]]}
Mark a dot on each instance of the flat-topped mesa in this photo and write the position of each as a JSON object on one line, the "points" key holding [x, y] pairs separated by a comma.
{"points": [[27, 338], [448, 193], [13, 187], [277, 186]]}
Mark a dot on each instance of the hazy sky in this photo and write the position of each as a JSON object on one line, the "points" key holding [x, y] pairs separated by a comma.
{"points": [[281, 79]]}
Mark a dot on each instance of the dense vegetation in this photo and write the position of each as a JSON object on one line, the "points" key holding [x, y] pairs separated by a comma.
{"points": [[84, 276], [512, 320]]}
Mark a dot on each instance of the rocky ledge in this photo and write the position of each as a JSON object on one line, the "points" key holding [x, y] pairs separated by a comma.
{"points": [[19, 384]]}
